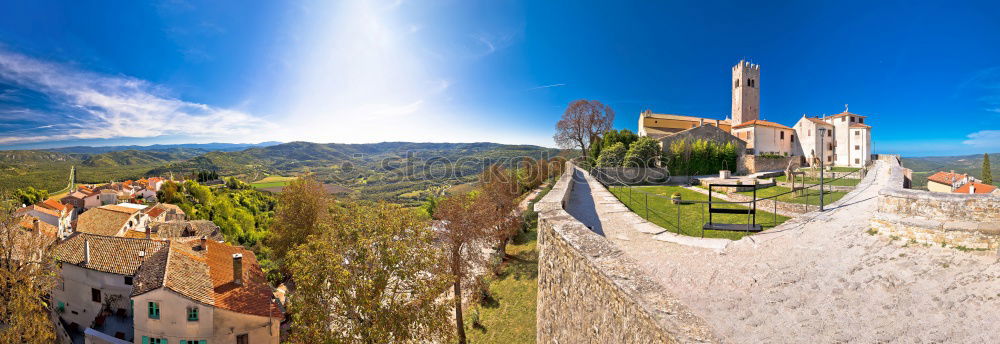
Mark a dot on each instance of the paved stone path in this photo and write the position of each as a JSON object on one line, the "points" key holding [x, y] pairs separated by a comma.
{"points": [[817, 278]]}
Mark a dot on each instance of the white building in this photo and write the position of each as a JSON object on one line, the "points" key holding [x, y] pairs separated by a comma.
{"points": [[814, 136], [763, 137]]}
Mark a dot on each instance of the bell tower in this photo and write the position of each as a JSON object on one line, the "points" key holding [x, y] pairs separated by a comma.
{"points": [[746, 92]]}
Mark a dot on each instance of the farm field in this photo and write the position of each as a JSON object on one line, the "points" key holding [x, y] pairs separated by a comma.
{"points": [[272, 182]]}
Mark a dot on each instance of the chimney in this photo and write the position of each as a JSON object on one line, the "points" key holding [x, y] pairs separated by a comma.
{"points": [[86, 251], [204, 245], [34, 225], [972, 188], [238, 268]]}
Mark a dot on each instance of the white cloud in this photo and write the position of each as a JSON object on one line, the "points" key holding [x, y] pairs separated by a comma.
{"points": [[104, 107], [984, 139], [546, 86]]}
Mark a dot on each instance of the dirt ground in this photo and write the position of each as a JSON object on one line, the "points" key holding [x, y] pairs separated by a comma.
{"points": [[820, 278]]}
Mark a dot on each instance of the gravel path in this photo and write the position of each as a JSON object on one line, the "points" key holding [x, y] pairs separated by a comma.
{"points": [[818, 278]]}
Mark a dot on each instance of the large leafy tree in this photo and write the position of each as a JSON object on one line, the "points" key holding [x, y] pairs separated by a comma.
{"points": [[582, 122], [612, 156], [465, 231], [302, 206], [371, 274], [27, 275], [30, 195], [987, 173]]}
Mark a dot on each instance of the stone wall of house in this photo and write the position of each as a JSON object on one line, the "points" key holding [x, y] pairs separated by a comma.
{"points": [[590, 292], [705, 132], [748, 164], [949, 219]]}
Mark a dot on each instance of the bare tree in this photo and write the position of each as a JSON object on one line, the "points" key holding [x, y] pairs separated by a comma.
{"points": [[582, 122], [465, 231], [27, 275]]}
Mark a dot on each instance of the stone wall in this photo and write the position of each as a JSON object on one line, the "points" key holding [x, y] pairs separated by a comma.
{"points": [[748, 164], [704, 132], [768, 205], [590, 292], [950, 219]]}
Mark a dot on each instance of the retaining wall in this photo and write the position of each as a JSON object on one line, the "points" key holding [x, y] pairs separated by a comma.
{"points": [[752, 164], [590, 292], [631, 175], [956, 220]]}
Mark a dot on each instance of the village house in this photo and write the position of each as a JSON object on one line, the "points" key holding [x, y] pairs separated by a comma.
{"points": [[109, 220], [977, 188], [763, 137], [948, 181], [202, 290]]}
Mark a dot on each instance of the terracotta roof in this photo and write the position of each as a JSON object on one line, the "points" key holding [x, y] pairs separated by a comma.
{"points": [[980, 188], [818, 121], [946, 178], [203, 271], [52, 204], [160, 208], [254, 296], [859, 125], [845, 113], [683, 117], [117, 255], [106, 220], [760, 123], [28, 223], [178, 229], [39, 209]]}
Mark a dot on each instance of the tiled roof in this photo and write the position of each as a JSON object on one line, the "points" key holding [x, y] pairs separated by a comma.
{"points": [[859, 125], [117, 255], [845, 113], [254, 296], [946, 178], [203, 271], [684, 118], [52, 204], [177, 228], [106, 220], [818, 121], [761, 123], [980, 188], [28, 223], [41, 210]]}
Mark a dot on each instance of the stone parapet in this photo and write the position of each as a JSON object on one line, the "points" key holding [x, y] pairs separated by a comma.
{"points": [[950, 219], [590, 292], [747, 164]]}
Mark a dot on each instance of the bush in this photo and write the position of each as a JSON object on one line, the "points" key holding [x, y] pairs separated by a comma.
{"points": [[700, 157], [612, 156], [644, 152]]}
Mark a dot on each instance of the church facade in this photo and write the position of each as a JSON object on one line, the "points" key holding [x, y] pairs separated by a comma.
{"points": [[842, 139]]}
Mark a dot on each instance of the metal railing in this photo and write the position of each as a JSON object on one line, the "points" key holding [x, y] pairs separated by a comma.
{"points": [[634, 195]]}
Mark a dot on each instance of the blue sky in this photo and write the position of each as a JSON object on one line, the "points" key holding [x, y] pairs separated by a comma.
{"points": [[126, 72]]}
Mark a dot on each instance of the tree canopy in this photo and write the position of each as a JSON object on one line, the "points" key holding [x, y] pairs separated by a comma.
{"points": [[583, 121]]}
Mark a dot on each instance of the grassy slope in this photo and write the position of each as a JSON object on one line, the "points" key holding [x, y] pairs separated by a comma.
{"points": [[509, 315], [664, 213]]}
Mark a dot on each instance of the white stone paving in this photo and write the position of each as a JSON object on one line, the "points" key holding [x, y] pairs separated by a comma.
{"points": [[817, 278]]}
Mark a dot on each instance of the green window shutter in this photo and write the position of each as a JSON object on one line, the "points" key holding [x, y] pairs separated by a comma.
{"points": [[145, 340], [202, 341]]}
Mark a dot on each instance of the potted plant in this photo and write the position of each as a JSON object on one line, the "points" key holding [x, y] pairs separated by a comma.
{"points": [[676, 198]]}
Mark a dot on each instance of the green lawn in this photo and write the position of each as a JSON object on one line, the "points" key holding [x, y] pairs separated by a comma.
{"points": [[833, 169], [828, 181], [508, 316], [810, 196], [692, 216]]}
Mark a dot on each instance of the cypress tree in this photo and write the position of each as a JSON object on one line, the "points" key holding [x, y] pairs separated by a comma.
{"points": [[987, 174]]}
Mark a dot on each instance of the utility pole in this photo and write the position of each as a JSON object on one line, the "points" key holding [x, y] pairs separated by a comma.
{"points": [[822, 157]]}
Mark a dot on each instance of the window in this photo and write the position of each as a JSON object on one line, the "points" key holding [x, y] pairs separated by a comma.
{"points": [[861, 120], [192, 313], [154, 310], [843, 119], [809, 132], [95, 295], [852, 119], [193, 341], [736, 84], [829, 158], [782, 134], [243, 339], [856, 147], [829, 133], [857, 161], [857, 133], [128, 280], [149, 340], [792, 137]]}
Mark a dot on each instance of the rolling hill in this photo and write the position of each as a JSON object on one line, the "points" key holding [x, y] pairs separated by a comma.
{"points": [[396, 171]]}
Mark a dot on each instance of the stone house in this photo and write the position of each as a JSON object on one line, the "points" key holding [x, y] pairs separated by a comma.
{"points": [[947, 181], [811, 141], [764, 137], [977, 188], [202, 290], [851, 139], [109, 220]]}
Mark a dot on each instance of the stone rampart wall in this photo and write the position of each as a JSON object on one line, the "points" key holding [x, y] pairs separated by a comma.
{"points": [[950, 219], [590, 292], [631, 175]]}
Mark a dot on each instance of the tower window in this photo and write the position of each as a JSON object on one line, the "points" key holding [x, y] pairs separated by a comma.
{"points": [[736, 84], [782, 134]]}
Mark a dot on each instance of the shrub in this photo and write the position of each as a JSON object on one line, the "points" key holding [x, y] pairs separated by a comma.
{"points": [[644, 152], [700, 157], [612, 156]]}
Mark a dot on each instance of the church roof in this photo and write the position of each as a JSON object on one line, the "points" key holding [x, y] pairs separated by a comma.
{"points": [[845, 113], [682, 117], [759, 122]]}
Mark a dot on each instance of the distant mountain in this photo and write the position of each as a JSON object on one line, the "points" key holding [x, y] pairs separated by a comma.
{"points": [[923, 167], [204, 147]]}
